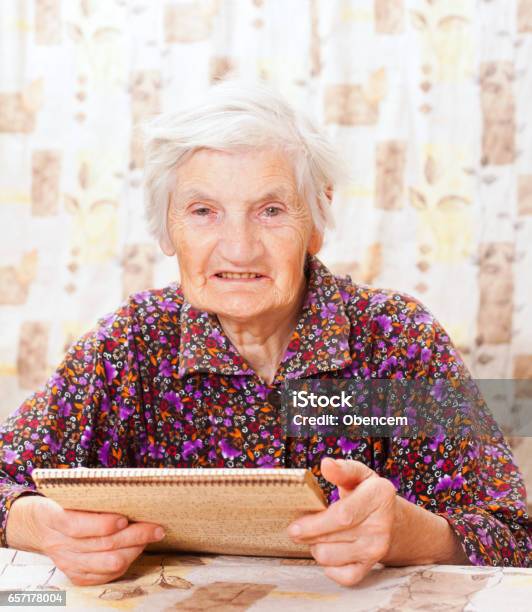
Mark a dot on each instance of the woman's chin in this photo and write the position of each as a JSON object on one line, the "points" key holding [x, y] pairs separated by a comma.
{"points": [[240, 308]]}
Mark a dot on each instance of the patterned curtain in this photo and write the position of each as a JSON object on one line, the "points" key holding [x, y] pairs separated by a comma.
{"points": [[428, 101]]}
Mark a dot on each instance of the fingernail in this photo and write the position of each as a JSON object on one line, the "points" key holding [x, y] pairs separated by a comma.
{"points": [[159, 533], [294, 530], [121, 523]]}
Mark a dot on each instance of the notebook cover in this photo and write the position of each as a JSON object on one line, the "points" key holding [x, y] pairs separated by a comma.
{"points": [[212, 510]]}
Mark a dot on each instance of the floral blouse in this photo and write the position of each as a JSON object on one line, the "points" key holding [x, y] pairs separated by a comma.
{"points": [[157, 383]]}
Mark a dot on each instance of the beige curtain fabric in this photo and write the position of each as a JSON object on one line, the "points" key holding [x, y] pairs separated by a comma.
{"points": [[428, 101]]}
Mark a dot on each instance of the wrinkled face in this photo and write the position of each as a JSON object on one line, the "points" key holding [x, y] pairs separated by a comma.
{"points": [[240, 232]]}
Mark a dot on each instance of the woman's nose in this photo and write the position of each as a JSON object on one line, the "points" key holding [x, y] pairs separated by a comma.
{"points": [[238, 241]]}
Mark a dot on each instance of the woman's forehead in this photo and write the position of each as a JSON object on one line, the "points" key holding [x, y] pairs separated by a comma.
{"points": [[265, 174], [261, 160]]}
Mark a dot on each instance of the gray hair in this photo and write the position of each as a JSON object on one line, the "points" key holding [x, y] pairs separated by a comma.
{"points": [[234, 114]]}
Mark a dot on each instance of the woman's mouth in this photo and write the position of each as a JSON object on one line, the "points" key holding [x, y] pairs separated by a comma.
{"points": [[239, 276]]}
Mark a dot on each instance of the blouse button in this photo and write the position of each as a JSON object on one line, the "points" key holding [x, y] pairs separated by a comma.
{"points": [[274, 399]]}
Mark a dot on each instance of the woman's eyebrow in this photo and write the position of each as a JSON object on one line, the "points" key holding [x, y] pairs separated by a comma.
{"points": [[194, 194], [275, 194], [279, 193]]}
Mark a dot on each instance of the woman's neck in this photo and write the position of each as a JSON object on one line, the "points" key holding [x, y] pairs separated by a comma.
{"points": [[263, 341]]}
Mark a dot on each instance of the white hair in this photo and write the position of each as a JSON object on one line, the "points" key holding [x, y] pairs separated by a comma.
{"points": [[233, 114]]}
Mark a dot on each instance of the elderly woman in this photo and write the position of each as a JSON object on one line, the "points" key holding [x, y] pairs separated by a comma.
{"points": [[238, 188]]}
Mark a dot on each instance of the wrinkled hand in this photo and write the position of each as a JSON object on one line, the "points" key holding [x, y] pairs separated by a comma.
{"points": [[89, 547], [355, 532]]}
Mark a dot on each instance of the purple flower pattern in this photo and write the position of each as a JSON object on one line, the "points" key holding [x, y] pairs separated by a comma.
{"points": [[157, 384]]}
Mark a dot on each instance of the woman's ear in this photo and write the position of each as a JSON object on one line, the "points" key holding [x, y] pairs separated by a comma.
{"points": [[316, 238], [315, 243], [166, 246], [165, 243]]}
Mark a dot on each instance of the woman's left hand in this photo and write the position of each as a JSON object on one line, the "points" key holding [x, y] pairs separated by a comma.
{"points": [[355, 532]]}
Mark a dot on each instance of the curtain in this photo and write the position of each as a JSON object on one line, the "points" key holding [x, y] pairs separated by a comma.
{"points": [[427, 101]]}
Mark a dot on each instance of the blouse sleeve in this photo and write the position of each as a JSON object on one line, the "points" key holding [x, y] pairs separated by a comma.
{"points": [[470, 480], [56, 426]]}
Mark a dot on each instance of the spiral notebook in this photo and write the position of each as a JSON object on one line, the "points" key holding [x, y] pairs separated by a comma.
{"points": [[213, 510]]}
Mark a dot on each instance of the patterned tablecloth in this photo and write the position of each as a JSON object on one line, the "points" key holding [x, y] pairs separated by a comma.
{"points": [[230, 584]]}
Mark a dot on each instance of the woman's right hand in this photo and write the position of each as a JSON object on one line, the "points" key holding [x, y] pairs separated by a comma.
{"points": [[89, 547]]}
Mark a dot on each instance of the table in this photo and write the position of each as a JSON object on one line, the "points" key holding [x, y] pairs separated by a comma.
{"points": [[231, 584]]}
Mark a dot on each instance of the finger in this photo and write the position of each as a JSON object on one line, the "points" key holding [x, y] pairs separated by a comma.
{"points": [[104, 563], [81, 524], [344, 535], [89, 579], [366, 543], [348, 575], [345, 474], [136, 534], [363, 546], [363, 550], [340, 516], [335, 554]]}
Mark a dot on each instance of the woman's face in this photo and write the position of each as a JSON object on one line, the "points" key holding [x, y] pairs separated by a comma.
{"points": [[240, 232]]}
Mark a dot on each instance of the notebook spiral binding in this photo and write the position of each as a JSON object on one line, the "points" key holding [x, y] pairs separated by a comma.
{"points": [[156, 476]]}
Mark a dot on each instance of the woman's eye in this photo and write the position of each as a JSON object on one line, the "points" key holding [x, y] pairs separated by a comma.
{"points": [[202, 211], [272, 211]]}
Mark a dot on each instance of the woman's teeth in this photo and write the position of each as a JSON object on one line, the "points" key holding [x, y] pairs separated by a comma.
{"points": [[237, 275]]}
